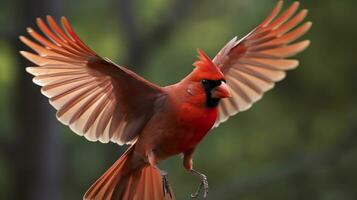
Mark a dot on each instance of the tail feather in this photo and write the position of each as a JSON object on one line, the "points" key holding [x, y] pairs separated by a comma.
{"points": [[151, 185], [103, 188], [124, 181]]}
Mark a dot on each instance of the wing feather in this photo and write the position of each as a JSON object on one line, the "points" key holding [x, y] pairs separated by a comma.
{"points": [[253, 64], [96, 98]]}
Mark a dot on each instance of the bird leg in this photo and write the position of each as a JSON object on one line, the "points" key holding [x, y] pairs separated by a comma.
{"points": [[188, 164], [203, 185], [166, 188]]}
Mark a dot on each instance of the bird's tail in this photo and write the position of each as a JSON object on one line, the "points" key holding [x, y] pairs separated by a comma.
{"points": [[127, 179]]}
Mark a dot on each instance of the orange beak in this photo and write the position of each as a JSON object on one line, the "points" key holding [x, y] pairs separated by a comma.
{"points": [[221, 91]]}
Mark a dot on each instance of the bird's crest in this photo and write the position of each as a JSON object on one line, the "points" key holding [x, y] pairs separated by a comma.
{"points": [[205, 68], [203, 60]]}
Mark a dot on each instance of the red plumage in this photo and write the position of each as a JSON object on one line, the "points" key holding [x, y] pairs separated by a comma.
{"points": [[103, 101]]}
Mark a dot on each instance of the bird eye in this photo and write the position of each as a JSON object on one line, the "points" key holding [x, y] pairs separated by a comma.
{"points": [[204, 81]]}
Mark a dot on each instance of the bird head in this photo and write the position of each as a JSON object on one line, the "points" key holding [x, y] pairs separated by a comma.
{"points": [[206, 78]]}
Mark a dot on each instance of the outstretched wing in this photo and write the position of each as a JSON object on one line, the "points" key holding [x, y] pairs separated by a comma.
{"points": [[96, 98], [253, 64]]}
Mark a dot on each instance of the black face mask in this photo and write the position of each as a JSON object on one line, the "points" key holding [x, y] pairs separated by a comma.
{"points": [[208, 86]]}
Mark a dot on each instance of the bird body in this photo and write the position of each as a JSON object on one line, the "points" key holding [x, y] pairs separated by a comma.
{"points": [[106, 102], [179, 126], [180, 121]]}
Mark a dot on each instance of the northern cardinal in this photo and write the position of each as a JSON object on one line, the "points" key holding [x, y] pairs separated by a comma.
{"points": [[103, 101]]}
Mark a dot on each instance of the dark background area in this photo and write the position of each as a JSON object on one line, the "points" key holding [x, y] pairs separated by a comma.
{"points": [[299, 142]]}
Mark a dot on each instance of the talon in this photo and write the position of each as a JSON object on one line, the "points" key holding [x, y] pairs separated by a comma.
{"points": [[203, 185], [165, 184], [198, 191]]}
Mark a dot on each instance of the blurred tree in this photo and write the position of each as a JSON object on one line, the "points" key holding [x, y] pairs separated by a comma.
{"points": [[142, 43], [36, 150]]}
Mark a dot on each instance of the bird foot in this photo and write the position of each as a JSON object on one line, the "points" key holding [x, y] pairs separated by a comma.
{"points": [[166, 188], [202, 187]]}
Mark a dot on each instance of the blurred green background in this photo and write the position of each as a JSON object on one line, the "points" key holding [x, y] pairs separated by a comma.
{"points": [[299, 142]]}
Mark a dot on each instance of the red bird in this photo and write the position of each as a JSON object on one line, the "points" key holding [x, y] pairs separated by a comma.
{"points": [[103, 101]]}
